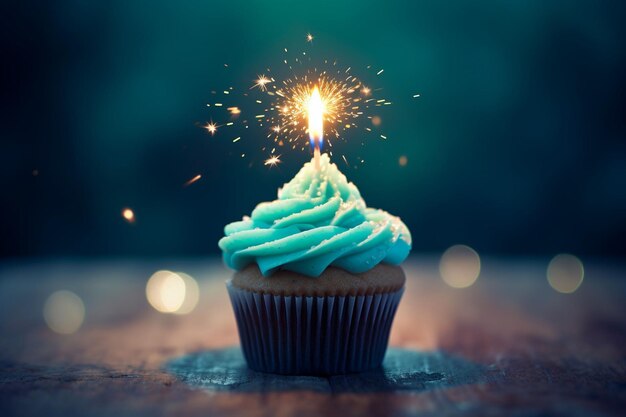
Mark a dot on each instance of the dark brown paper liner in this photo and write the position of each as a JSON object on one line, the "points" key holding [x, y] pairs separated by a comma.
{"points": [[301, 335]]}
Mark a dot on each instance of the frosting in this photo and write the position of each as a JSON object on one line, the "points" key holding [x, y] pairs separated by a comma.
{"points": [[318, 220]]}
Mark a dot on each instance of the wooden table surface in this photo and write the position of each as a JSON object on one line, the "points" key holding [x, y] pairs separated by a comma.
{"points": [[508, 345]]}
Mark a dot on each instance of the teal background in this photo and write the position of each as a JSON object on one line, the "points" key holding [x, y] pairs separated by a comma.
{"points": [[515, 146]]}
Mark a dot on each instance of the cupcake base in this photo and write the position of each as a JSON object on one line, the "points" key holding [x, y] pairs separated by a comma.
{"points": [[313, 335]]}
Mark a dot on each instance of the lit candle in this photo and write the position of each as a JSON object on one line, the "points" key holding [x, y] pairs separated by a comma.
{"points": [[319, 218], [315, 112]]}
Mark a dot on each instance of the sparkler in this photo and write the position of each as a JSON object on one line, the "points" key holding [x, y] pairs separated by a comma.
{"points": [[340, 99], [315, 104]]}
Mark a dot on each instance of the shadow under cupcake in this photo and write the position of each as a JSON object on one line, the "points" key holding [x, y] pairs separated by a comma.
{"points": [[317, 282]]}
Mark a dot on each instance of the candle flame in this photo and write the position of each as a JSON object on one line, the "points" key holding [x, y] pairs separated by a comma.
{"points": [[315, 113]]}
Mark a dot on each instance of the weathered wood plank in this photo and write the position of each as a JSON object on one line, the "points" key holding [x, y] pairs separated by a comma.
{"points": [[507, 345]]}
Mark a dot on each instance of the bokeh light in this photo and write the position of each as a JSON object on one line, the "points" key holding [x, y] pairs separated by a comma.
{"points": [[565, 273], [64, 312], [376, 120], [459, 266], [172, 292], [192, 294], [402, 161]]}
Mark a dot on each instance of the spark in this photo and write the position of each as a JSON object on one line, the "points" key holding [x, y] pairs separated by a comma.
{"points": [[309, 37], [237, 139], [261, 83], [380, 72], [366, 91], [234, 110], [192, 180], [211, 128], [416, 95], [272, 161], [128, 215]]}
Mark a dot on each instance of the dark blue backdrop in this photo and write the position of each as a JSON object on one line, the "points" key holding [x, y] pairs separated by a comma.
{"points": [[516, 145]]}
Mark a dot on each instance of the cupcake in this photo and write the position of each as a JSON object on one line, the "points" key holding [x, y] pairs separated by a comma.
{"points": [[317, 282]]}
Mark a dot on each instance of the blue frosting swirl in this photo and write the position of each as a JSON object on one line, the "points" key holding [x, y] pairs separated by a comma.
{"points": [[318, 220]]}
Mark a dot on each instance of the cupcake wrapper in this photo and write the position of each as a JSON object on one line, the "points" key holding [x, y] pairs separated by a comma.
{"points": [[313, 335]]}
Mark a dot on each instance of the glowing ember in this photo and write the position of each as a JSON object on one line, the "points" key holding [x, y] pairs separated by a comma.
{"points": [[128, 215], [272, 161], [261, 82], [309, 37], [191, 181], [211, 128]]}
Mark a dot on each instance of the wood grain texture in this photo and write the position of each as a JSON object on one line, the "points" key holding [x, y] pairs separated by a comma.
{"points": [[508, 345]]}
